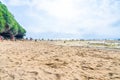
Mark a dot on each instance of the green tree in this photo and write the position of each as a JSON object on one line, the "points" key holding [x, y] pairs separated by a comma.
{"points": [[7, 18]]}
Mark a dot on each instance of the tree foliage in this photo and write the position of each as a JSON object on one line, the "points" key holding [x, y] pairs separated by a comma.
{"points": [[6, 18]]}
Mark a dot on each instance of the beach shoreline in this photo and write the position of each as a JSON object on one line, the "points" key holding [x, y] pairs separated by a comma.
{"points": [[45, 60]]}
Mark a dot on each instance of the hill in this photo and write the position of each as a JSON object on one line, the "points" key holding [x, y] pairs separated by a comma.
{"points": [[9, 27]]}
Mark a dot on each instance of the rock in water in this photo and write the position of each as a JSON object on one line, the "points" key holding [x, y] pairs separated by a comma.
{"points": [[8, 25]]}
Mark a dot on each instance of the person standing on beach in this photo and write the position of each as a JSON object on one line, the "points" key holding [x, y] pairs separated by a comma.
{"points": [[1, 38]]}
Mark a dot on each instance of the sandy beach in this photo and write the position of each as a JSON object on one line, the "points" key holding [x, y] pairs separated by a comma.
{"points": [[30, 60]]}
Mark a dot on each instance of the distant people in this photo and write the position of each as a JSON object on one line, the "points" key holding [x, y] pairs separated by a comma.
{"points": [[36, 40], [31, 39], [1, 38], [26, 39], [12, 38]]}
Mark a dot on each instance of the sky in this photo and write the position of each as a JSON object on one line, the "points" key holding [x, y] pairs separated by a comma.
{"points": [[68, 19]]}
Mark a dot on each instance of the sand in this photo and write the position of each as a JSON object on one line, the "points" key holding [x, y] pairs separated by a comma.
{"points": [[29, 60]]}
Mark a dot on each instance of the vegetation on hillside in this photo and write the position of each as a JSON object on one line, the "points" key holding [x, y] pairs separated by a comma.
{"points": [[8, 25]]}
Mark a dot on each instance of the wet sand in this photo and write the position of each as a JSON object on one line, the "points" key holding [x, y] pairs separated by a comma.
{"points": [[29, 60]]}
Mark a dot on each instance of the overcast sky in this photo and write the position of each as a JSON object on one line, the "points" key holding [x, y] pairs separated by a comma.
{"points": [[68, 18]]}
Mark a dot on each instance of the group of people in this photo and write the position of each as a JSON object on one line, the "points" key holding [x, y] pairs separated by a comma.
{"points": [[11, 38]]}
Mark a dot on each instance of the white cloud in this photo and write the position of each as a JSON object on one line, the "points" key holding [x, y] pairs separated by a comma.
{"points": [[72, 16]]}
